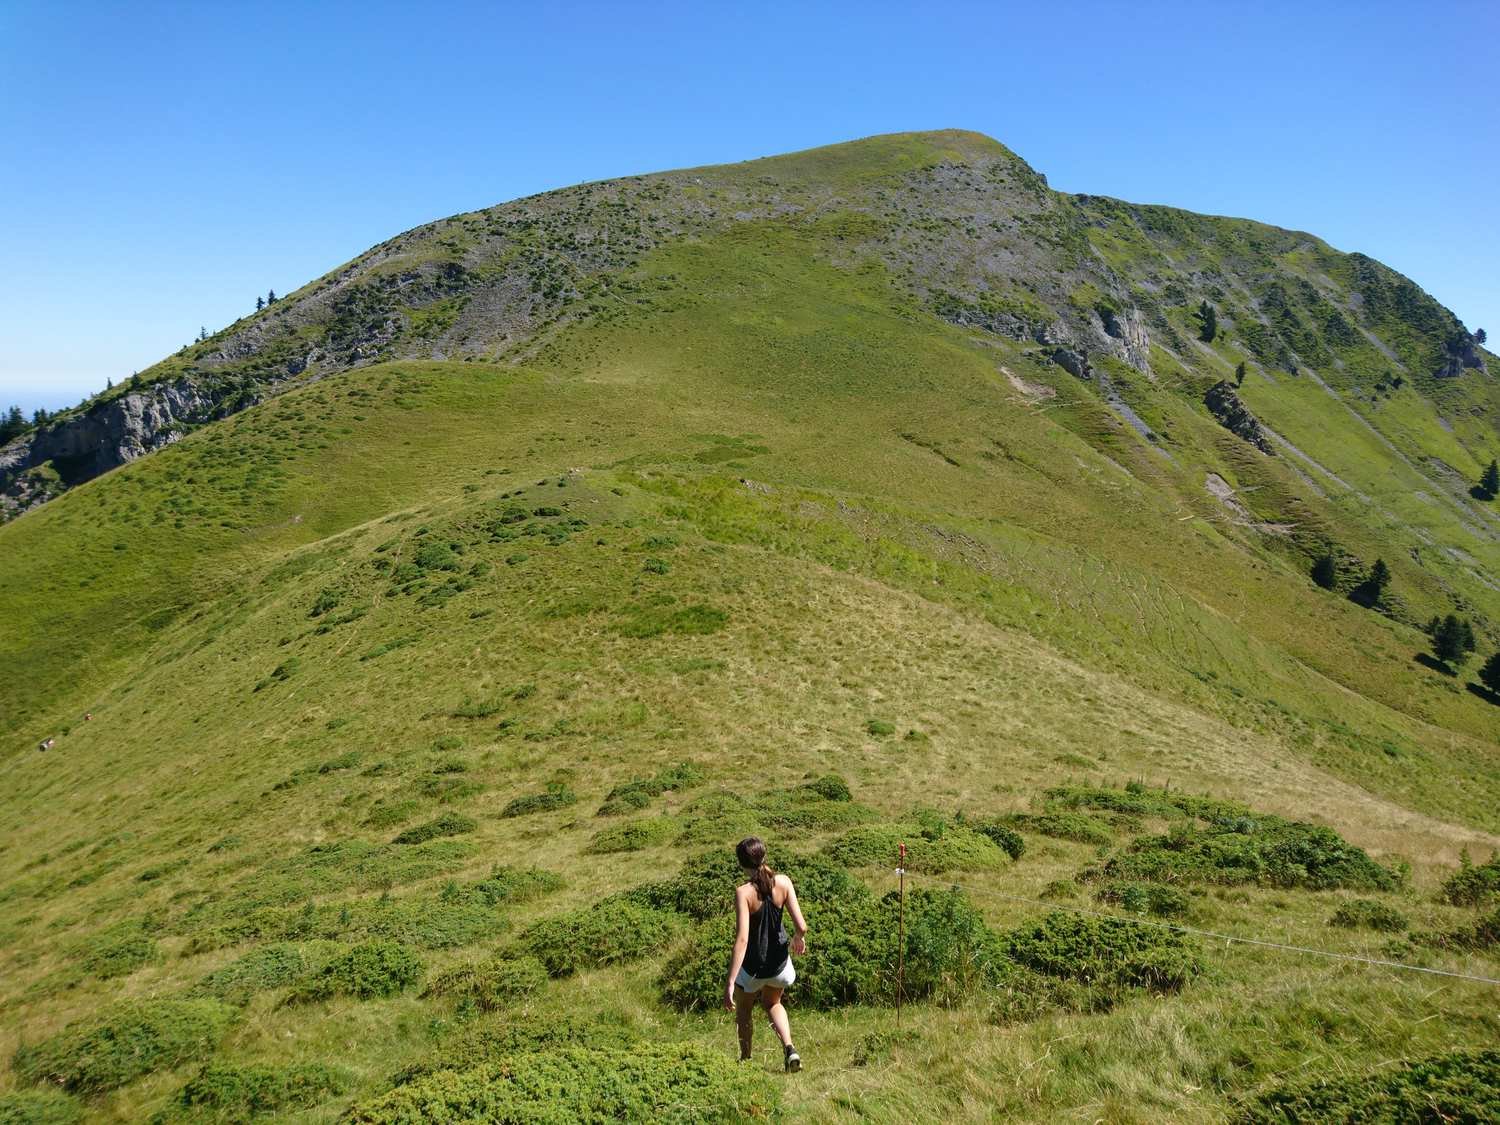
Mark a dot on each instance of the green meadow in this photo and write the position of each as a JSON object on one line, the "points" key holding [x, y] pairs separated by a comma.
{"points": [[429, 697]]}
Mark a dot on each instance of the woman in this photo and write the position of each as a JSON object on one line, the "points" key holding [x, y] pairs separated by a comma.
{"points": [[762, 964]]}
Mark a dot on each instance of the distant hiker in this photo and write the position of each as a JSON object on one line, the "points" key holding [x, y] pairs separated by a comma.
{"points": [[46, 744], [762, 963], [87, 716]]}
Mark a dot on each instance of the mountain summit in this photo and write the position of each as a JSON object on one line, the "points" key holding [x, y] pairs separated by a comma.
{"points": [[468, 596]]}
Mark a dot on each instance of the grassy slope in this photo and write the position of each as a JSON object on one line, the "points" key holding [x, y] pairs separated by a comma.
{"points": [[1040, 610]]}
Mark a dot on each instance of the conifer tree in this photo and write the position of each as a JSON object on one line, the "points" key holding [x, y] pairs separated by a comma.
{"points": [[1489, 482], [1449, 639], [13, 425], [1208, 321], [260, 303], [1325, 572], [1239, 374], [1489, 675], [1371, 592]]}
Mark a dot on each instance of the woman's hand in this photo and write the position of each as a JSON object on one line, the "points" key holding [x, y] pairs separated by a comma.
{"points": [[729, 997], [799, 945]]}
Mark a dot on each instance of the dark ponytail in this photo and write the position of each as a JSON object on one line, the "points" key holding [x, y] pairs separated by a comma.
{"points": [[751, 853]]}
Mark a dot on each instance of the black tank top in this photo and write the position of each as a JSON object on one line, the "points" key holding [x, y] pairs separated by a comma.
{"points": [[769, 949]]}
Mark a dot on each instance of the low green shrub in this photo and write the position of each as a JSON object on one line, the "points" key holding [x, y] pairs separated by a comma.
{"points": [[880, 728], [442, 922], [1482, 937], [472, 708], [1474, 885], [427, 922], [639, 793], [277, 965], [39, 1107], [635, 835], [120, 951], [1109, 953], [950, 952], [446, 789], [1155, 899], [161, 870], [366, 971], [492, 984], [607, 933], [485, 1040], [436, 556], [515, 885], [226, 1092], [931, 849], [1365, 914], [385, 815], [649, 1082], [808, 808], [1082, 828], [123, 1042], [1457, 1086], [556, 796], [1136, 800], [718, 817], [449, 824], [1260, 849], [1004, 836], [831, 787]]}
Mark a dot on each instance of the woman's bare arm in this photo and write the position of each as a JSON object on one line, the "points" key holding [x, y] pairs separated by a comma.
{"points": [[799, 942], [741, 943]]}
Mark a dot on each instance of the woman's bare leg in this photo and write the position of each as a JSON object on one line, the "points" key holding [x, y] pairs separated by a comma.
{"points": [[770, 1000], [744, 1012]]}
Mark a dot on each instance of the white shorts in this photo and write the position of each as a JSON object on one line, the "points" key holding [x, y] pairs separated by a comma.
{"points": [[746, 983]]}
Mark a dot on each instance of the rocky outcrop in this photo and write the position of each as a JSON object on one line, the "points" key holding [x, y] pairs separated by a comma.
{"points": [[1128, 338], [1235, 416], [79, 447], [1459, 352], [1071, 361]]}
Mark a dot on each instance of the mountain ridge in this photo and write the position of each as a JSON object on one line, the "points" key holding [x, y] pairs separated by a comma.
{"points": [[337, 321]]}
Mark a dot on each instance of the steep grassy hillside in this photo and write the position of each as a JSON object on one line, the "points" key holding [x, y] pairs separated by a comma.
{"points": [[855, 496]]}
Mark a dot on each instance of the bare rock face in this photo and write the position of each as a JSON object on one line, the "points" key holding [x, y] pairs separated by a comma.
{"points": [[55, 457], [1235, 416], [1071, 361], [1128, 337], [1460, 352]]}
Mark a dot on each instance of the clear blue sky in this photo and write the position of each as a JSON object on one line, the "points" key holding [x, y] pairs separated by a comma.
{"points": [[164, 163]]}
